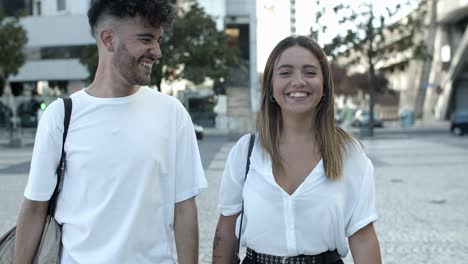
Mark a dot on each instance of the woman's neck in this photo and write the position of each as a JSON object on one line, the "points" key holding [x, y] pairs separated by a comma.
{"points": [[298, 129]]}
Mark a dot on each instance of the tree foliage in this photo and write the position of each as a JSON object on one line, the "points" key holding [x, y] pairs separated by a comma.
{"points": [[369, 38], [368, 35], [192, 49], [350, 84], [90, 58], [13, 39]]}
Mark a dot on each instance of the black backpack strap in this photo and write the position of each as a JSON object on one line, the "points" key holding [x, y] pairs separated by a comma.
{"points": [[251, 144], [61, 167]]}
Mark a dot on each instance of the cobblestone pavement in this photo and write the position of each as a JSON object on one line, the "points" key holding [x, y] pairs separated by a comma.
{"points": [[11, 184], [421, 185], [208, 201]]}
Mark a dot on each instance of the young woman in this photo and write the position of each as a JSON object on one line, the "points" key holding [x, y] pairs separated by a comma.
{"points": [[310, 185]]}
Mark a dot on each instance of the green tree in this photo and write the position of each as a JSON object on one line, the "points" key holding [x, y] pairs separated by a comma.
{"points": [[90, 58], [13, 39], [192, 49], [365, 40]]}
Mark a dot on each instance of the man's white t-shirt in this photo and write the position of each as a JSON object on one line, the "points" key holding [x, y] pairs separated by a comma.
{"points": [[129, 160], [317, 217]]}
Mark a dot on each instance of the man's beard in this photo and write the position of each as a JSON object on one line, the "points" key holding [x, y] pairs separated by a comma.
{"points": [[128, 66]]}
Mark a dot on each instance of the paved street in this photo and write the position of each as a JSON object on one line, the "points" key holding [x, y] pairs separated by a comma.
{"points": [[421, 183]]}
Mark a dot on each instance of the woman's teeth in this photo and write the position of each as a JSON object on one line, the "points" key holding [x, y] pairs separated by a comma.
{"points": [[297, 94]]}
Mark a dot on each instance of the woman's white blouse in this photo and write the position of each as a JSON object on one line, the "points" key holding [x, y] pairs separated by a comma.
{"points": [[316, 218]]}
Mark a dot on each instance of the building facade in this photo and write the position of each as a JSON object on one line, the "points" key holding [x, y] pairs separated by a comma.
{"points": [[436, 85], [448, 79], [56, 36], [414, 74]]}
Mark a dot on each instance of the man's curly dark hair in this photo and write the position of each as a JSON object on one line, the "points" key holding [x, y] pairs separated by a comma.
{"points": [[155, 12]]}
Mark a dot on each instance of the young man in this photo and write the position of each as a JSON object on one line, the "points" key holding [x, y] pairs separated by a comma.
{"points": [[133, 164]]}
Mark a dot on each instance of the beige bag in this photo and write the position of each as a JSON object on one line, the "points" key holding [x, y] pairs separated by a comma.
{"points": [[49, 249]]}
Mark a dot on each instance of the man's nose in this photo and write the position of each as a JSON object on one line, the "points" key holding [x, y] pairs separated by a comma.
{"points": [[156, 51]]}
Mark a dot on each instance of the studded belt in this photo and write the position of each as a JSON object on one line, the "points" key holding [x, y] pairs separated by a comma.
{"points": [[328, 257]]}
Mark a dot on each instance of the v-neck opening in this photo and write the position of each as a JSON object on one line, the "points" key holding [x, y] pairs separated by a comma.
{"points": [[312, 172]]}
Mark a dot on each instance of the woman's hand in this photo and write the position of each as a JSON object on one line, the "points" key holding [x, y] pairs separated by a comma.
{"points": [[225, 241]]}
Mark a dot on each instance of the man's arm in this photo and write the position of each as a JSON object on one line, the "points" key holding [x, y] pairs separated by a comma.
{"points": [[29, 229], [364, 246], [225, 241], [186, 231]]}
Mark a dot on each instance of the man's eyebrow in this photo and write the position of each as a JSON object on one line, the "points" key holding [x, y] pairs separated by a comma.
{"points": [[145, 35]]}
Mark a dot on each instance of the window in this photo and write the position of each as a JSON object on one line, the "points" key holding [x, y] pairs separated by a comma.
{"points": [[38, 8], [61, 5], [61, 52]]}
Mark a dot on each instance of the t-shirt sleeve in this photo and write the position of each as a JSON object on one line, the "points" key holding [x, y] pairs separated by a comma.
{"points": [[46, 154], [232, 181], [361, 199], [189, 175]]}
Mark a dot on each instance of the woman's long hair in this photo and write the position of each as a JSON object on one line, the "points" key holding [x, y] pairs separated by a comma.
{"points": [[332, 140]]}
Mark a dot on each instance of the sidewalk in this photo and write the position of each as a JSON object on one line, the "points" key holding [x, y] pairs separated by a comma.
{"points": [[393, 129], [420, 126], [27, 137], [390, 128]]}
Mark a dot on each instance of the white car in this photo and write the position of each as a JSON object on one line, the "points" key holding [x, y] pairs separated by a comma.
{"points": [[361, 119], [198, 131]]}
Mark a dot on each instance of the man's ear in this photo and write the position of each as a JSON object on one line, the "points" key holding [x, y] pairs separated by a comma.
{"points": [[108, 39]]}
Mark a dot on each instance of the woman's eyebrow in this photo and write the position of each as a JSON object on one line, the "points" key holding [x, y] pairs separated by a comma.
{"points": [[288, 66], [310, 66]]}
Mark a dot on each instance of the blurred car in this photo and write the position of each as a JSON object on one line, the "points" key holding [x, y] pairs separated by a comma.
{"points": [[361, 119], [5, 114], [459, 122], [338, 116], [198, 131]]}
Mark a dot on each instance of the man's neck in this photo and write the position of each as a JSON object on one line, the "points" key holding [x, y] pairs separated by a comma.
{"points": [[106, 87]]}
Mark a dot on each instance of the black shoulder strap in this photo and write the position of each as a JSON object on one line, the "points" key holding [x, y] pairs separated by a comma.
{"points": [[251, 144], [61, 167]]}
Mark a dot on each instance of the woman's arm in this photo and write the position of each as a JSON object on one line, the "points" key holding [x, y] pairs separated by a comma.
{"points": [[364, 246], [225, 241]]}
